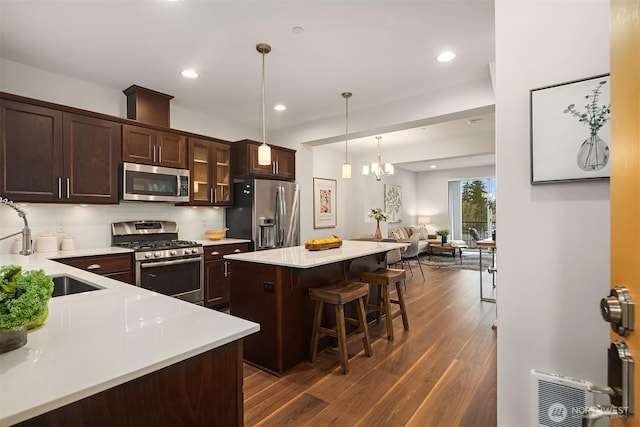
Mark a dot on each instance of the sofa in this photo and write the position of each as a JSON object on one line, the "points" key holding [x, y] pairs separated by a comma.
{"points": [[403, 233]]}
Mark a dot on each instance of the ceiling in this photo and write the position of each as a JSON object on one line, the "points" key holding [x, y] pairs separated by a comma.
{"points": [[382, 51]]}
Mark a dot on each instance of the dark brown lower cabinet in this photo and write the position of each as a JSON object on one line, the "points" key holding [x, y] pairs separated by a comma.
{"points": [[118, 267], [204, 390], [217, 273]]}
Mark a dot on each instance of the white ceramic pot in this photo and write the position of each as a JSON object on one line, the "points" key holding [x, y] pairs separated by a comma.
{"points": [[67, 244], [16, 247], [47, 242]]}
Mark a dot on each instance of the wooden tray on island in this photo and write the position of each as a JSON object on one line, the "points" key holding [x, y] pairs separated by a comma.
{"points": [[322, 246]]}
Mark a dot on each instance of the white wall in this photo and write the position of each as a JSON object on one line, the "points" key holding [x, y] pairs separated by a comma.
{"points": [[554, 239], [90, 225], [356, 196], [432, 196]]}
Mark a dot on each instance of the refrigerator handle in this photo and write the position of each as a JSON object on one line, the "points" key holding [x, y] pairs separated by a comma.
{"points": [[281, 210], [293, 219]]}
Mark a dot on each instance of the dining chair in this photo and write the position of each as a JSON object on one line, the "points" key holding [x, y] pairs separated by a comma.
{"points": [[412, 252], [393, 257]]}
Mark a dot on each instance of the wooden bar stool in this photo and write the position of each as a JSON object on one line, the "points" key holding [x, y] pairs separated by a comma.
{"points": [[339, 294], [385, 277]]}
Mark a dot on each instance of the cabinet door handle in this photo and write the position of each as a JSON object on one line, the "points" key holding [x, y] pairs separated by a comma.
{"points": [[59, 188], [273, 167], [215, 253], [211, 195], [154, 153], [68, 187], [277, 167], [160, 154], [94, 267], [226, 268], [215, 195]]}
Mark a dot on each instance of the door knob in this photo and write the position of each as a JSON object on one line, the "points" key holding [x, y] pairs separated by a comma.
{"points": [[620, 387], [618, 309]]}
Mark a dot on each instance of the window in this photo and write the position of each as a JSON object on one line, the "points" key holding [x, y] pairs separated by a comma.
{"points": [[472, 204]]}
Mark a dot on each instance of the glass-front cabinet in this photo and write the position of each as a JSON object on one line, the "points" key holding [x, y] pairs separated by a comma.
{"points": [[210, 166]]}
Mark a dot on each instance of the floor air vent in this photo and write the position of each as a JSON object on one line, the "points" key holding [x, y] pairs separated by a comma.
{"points": [[558, 401]]}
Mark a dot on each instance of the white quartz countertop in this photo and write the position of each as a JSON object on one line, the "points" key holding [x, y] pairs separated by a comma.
{"points": [[96, 340], [299, 257]]}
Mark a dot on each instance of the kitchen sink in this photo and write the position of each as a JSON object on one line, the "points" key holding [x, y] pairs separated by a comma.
{"points": [[67, 285]]}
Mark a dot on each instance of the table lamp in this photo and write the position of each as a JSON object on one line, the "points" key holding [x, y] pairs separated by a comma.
{"points": [[424, 220]]}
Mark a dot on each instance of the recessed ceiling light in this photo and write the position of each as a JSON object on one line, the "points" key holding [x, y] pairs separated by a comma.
{"points": [[297, 30], [279, 107], [190, 74], [433, 167], [446, 56]]}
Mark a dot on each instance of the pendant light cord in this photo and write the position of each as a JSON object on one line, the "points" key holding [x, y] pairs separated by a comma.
{"points": [[264, 122], [346, 132]]}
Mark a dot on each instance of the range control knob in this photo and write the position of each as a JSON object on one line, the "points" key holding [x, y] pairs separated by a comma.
{"points": [[147, 255], [157, 254], [173, 252]]}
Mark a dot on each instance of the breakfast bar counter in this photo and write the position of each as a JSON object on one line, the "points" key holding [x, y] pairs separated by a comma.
{"points": [[271, 288]]}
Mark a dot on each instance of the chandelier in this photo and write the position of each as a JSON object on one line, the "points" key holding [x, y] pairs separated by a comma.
{"points": [[378, 170]]}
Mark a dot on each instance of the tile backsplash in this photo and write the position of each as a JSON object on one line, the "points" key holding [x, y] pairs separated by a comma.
{"points": [[91, 225]]}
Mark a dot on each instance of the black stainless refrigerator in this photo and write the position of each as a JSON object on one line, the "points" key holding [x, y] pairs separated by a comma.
{"points": [[266, 212]]}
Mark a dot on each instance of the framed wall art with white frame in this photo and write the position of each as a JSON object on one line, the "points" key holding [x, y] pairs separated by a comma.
{"points": [[324, 203]]}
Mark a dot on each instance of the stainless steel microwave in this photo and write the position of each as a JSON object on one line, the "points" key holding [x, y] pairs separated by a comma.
{"points": [[154, 183]]}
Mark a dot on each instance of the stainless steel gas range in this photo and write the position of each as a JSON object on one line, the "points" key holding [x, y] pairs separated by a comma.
{"points": [[162, 262]]}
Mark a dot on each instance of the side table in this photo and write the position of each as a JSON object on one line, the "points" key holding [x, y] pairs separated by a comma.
{"points": [[490, 245]]}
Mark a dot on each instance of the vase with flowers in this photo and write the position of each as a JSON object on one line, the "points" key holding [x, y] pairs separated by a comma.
{"points": [[594, 152], [379, 215]]}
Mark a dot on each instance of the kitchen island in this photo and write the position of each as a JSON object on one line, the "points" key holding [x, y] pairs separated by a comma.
{"points": [[122, 355], [272, 288]]}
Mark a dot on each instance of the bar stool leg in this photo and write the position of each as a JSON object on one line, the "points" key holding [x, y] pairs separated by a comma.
{"points": [[378, 303], [387, 313], [403, 311], [317, 319], [362, 319], [342, 338]]}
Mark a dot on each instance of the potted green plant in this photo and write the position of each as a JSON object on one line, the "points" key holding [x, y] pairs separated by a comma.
{"points": [[24, 298], [443, 233]]}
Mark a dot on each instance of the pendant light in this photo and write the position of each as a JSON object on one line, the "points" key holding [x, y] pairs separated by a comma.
{"points": [[377, 169], [264, 151], [346, 167]]}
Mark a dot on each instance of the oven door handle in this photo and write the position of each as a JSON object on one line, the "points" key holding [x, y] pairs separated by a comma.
{"points": [[174, 262]]}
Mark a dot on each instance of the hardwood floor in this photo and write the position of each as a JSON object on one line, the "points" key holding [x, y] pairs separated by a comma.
{"points": [[442, 372]]}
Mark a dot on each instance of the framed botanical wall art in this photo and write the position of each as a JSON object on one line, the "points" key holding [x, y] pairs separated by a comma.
{"points": [[324, 203], [393, 202], [571, 131]]}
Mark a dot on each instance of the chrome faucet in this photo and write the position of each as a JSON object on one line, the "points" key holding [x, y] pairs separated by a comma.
{"points": [[27, 248]]}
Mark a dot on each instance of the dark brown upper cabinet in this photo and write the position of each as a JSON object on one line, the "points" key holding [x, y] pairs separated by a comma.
{"points": [[153, 147], [210, 166], [53, 156], [283, 161]]}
